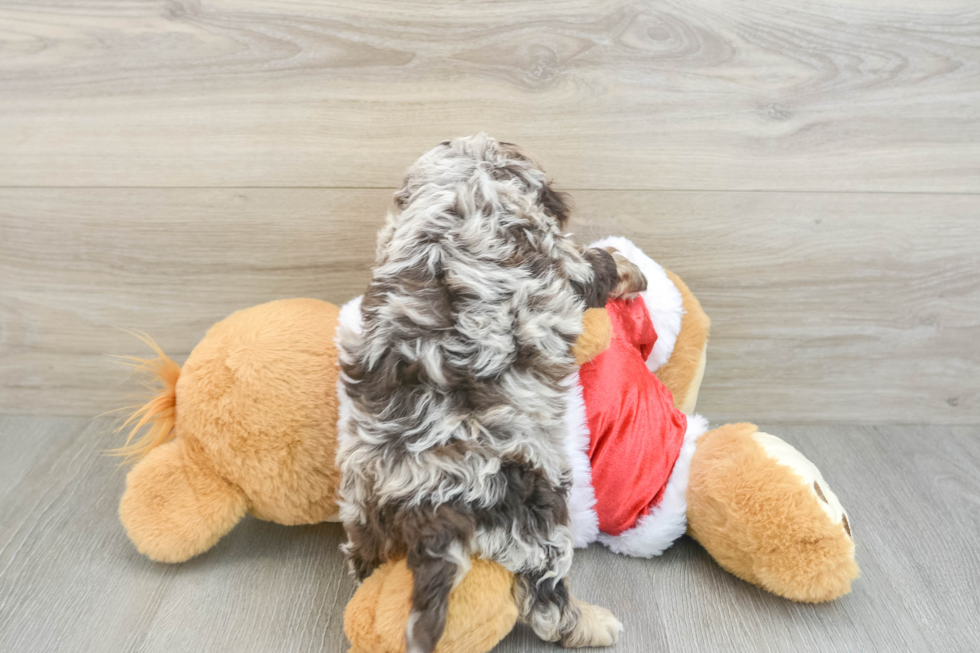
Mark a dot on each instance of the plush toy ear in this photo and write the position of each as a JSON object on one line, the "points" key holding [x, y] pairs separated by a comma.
{"points": [[174, 507]]}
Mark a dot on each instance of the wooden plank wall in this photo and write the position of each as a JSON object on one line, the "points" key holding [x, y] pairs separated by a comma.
{"points": [[812, 169]]}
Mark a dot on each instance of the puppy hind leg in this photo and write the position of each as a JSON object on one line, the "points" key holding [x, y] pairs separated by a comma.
{"points": [[364, 549]]}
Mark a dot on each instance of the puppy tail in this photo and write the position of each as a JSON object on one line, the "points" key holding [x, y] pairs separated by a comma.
{"points": [[433, 578]]}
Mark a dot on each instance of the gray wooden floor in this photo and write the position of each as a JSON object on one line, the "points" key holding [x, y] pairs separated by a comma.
{"points": [[71, 581]]}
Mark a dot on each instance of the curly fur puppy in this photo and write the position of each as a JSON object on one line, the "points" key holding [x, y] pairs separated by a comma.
{"points": [[453, 445]]}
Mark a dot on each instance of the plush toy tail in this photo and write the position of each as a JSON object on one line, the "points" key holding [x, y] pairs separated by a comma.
{"points": [[175, 505], [159, 413]]}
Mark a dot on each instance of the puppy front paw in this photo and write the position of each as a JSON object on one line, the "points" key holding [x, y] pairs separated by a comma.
{"points": [[631, 280]]}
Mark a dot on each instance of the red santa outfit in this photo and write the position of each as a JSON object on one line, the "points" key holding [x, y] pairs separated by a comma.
{"points": [[630, 448]]}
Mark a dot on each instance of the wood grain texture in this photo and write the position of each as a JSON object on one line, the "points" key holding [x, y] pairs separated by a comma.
{"points": [[825, 307], [71, 581], [691, 94], [78, 266]]}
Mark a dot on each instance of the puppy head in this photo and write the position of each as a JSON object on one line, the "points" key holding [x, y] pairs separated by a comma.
{"points": [[480, 174]]}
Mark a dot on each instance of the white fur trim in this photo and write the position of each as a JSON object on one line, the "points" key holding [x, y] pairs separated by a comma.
{"points": [[350, 314], [665, 523], [662, 298], [349, 318], [581, 500]]}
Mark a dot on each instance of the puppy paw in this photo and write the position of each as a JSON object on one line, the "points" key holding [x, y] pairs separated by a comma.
{"points": [[631, 281], [596, 627]]}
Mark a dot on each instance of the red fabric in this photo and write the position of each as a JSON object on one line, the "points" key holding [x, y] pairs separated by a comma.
{"points": [[636, 433]]}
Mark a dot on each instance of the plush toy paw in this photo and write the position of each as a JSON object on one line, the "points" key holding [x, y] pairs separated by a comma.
{"points": [[766, 514], [481, 610], [175, 508], [596, 627], [595, 337]]}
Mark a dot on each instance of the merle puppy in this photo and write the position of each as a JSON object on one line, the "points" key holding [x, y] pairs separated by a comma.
{"points": [[454, 441]]}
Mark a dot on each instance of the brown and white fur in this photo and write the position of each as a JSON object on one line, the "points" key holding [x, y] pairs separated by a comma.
{"points": [[454, 442]]}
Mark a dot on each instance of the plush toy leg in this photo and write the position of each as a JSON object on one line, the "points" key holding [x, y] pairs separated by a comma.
{"points": [[174, 508], [764, 512], [481, 610]]}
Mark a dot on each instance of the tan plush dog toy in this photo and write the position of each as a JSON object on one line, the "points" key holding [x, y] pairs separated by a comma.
{"points": [[249, 425]]}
